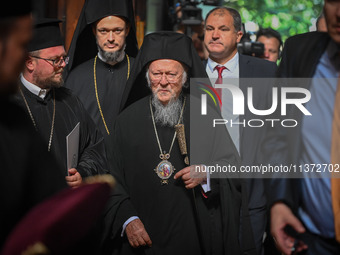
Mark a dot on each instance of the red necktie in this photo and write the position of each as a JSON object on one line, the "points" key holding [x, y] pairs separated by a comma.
{"points": [[219, 79]]}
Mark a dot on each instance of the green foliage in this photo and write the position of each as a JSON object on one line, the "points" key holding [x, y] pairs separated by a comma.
{"points": [[286, 16]]}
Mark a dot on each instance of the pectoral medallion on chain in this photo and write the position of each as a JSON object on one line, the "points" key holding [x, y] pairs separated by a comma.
{"points": [[164, 169]]}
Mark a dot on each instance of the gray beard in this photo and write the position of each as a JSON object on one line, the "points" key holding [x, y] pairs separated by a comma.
{"points": [[112, 57], [167, 115]]}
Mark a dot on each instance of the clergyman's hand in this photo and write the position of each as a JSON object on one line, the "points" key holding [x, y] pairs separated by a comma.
{"points": [[191, 176], [281, 216], [137, 234], [74, 179]]}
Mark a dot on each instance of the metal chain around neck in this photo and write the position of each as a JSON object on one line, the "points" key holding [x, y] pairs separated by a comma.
{"points": [[162, 155], [34, 123], [96, 88]]}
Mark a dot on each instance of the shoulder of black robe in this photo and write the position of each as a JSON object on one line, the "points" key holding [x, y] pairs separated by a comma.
{"points": [[29, 174], [169, 45], [92, 159], [84, 70], [92, 154], [83, 45], [79, 74]]}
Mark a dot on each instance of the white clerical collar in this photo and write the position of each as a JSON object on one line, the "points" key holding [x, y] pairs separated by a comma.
{"points": [[34, 88], [230, 65], [100, 56]]}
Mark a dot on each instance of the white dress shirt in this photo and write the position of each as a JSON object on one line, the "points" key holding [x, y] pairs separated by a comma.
{"points": [[34, 88]]}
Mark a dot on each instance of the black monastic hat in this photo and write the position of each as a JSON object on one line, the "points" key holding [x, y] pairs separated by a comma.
{"points": [[161, 45], [83, 46], [46, 34]]}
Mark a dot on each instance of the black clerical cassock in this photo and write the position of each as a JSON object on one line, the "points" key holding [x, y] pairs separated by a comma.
{"points": [[178, 221], [100, 85], [68, 113], [101, 94], [57, 114]]}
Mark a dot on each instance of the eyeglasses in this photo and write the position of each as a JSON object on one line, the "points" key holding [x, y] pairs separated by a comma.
{"points": [[171, 78], [57, 62]]}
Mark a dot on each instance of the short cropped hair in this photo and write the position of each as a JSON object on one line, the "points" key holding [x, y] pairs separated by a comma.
{"points": [[269, 33], [234, 13]]}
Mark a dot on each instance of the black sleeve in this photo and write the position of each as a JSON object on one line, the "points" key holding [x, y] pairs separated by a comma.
{"points": [[120, 207], [92, 154]]}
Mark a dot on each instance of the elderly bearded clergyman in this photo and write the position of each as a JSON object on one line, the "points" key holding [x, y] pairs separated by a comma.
{"points": [[168, 211]]}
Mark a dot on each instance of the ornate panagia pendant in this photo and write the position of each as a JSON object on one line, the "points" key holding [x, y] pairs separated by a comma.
{"points": [[164, 169]]}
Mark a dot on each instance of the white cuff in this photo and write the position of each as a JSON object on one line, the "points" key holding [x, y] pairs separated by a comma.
{"points": [[206, 185]]}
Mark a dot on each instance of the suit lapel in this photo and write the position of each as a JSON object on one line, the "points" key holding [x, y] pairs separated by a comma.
{"points": [[205, 62], [245, 72], [243, 63], [309, 59]]}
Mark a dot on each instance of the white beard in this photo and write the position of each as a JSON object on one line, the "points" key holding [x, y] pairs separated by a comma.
{"points": [[167, 115]]}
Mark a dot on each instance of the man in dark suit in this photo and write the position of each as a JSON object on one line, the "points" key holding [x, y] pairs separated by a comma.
{"points": [[222, 33], [306, 204]]}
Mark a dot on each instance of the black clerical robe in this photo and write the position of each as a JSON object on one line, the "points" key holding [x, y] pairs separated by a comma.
{"points": [[177, 221], [68, 112], [110, 81], [28, 173]]}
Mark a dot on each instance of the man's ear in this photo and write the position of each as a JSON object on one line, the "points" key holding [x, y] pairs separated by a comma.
{"points": [[30, 64], [239, 36]]}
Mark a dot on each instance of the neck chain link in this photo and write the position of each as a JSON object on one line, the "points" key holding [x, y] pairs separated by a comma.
{"points": [[34, 123], [163, 155], [96, 87]]}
